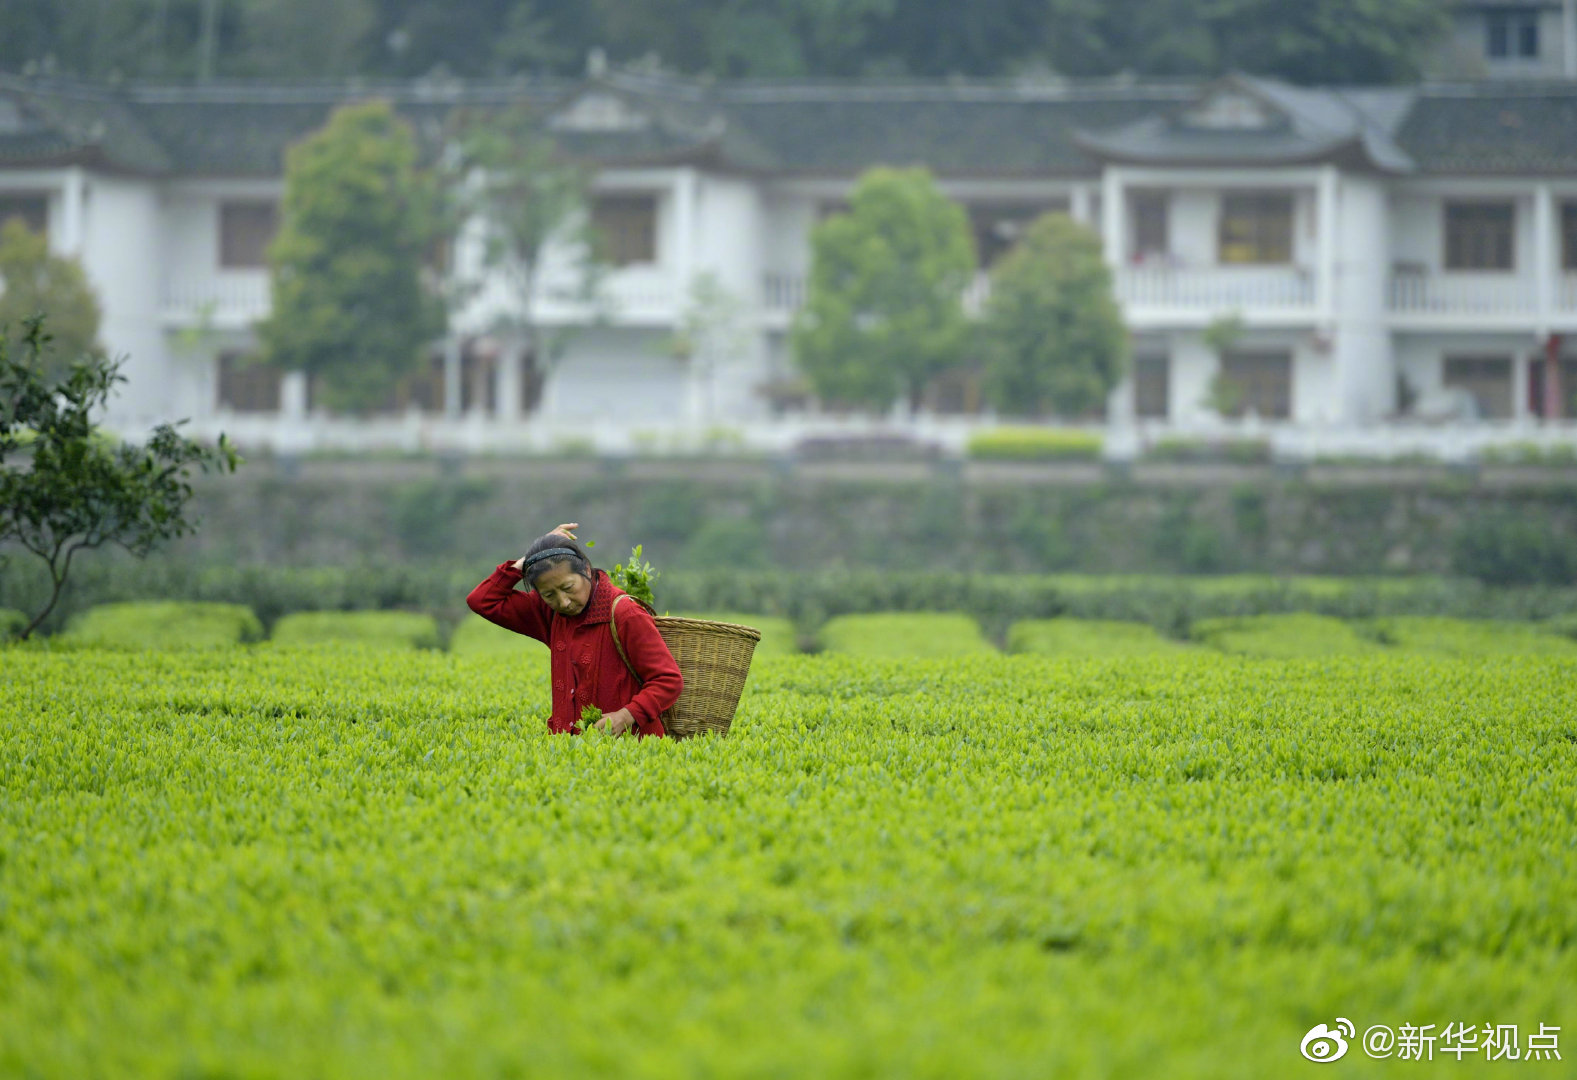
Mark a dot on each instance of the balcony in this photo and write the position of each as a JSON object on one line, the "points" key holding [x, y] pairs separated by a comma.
{"points": [[224, 300], [1153, 295], [1472, 299]]}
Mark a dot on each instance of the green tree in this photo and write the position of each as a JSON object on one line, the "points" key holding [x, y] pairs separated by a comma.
{"points": [[885, 307], [65, 487], [33, 282], [351, 303], [526, 195], [1053, 333]]}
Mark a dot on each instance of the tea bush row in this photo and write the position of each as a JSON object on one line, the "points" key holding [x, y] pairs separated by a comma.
{"points": [[352, 863]]}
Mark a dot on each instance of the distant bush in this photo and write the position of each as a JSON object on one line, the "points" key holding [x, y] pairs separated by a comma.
{"points": [[1528, 453], [1467, 637], [1300, 634], [1235, 451], [777, 634], [1034, 444], [1504, 549], [164, 624], [1089, 637], [389, 629], [912, 634], [475, 636], [12, 623]]}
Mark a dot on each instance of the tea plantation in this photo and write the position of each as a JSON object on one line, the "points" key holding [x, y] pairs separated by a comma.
{"points": [[275, 860]]}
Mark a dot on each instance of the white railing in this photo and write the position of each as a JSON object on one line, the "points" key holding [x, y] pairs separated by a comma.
{"points": [[225, 298], [1215, 288], [1449, 294]]}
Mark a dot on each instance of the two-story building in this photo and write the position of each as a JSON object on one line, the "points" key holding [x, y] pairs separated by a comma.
{"points": [[1381, 251]]}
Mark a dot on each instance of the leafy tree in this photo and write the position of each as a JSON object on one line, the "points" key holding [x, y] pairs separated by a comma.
{"points": [[350, 302], [31, 281], [526, 195], [65, 487], [1053, 333], [885, 307]]}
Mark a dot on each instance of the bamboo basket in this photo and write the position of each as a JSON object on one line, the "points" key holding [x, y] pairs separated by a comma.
{"points": [[714, 658]]}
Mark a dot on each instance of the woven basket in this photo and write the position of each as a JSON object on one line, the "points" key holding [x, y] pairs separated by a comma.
{"points": [[714, 658]]}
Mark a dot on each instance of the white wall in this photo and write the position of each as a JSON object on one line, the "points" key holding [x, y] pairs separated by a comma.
{"points": [[122, 246], [613, 373]]}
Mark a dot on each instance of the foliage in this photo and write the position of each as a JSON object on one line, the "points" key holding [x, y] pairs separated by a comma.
{"points": [[1088, 637], [474, 635], [915, 634], [34, 282], [164, 624], [1441, 636], [382, 629], [1053, 337], [350, 305], [635, 577], [884, 311], [1299, 634], [1034, 444], [526, 196], [371, 865], [12, 623], [1359, 41], [1232, 450], [1530, 453], [69, 490], [1505, 548]]}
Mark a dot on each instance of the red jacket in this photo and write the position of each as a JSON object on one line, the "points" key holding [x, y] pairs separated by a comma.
{"points": [[585, 663]]}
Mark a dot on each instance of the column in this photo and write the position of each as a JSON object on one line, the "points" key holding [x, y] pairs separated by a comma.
{"points": [[1112, 216], [506, 404], [1544, 272], [1325, 215], [293, 395], [686, 192], [1365, 367], [452, 377], [73, 212], [1521, 369]]}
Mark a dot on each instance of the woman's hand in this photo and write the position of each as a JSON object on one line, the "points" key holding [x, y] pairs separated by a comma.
{"points": [[564, 530], [617, 723]]}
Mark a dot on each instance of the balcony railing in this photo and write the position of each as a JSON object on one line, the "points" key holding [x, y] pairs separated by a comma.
{"points": [[226, 299], [1215, 288], [1451, 294]]}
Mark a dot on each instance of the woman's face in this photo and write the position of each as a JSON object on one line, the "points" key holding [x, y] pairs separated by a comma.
{"points": [[563, 590]]}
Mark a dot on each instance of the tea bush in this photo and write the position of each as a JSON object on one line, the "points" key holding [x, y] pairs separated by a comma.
{"points": [[1034, 444], [778, 637], [363, 864], [1089, 637], [1300, 634], [12, 623], [389, 629], [474, 635], [1467, 637], [163, 624], [918, 634]]}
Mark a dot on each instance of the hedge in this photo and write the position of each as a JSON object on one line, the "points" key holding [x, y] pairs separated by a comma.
{"points": [[1089, 637], [1035, 444], [386, 629], [164, 624], [919, 635]]}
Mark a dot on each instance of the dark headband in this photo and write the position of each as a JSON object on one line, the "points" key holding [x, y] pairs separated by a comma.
{"points": [[539, 556]]}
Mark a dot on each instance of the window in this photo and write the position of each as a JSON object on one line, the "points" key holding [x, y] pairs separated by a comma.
{"points": [[247, 386], [1569, 236], [998, 226], [1150, 387], [1150, 226], [1256, 229], [1264, 381], [245, 231], [1512, 34], [1479, 236], [1487, 378], [627, 227], [30, 210]]}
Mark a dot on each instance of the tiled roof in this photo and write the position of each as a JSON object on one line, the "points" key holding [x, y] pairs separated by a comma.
{"points": [[834, 129]]}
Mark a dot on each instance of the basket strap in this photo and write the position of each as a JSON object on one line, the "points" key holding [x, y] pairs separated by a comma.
{"points": [[613, 627]]}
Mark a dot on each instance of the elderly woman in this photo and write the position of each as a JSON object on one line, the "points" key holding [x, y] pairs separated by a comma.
{"points": [[569, 608]]}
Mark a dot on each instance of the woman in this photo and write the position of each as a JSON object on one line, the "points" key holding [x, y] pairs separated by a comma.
{"points": [[568, 609]]}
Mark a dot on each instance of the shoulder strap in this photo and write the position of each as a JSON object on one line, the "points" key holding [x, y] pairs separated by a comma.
{"points": [[613, 627]]}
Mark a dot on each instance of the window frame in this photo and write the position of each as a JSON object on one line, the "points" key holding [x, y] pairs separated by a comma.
{"points": [[237, 250], [1457, 258], [254, 381], [619, 246], [1503, 364], [1258, 223], [1254, 385]]}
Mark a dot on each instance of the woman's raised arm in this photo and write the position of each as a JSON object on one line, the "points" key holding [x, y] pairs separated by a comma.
{"points": [[497, 600]]}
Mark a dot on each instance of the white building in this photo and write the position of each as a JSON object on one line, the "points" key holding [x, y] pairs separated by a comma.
{"points": [[1381, 247]]}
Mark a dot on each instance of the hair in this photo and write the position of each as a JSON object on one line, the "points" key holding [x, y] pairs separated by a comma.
{"points": [[579, 562]]}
